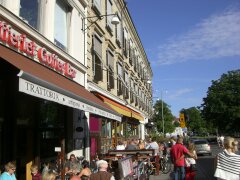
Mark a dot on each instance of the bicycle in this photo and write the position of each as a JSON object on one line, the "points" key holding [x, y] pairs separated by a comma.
{"points": [[165, 164], [145, 169]]}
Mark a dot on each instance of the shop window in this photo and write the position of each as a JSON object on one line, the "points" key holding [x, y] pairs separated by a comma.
{"points": [[106, 136], [97, 59], [104, 128], [51, 126], [29, 12], [61, 24]]}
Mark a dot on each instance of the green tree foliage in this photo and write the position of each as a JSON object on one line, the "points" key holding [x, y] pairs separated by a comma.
{"points": [[194, 121], [167, 116], [221, 107]]}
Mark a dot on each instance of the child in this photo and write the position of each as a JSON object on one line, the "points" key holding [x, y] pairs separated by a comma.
{"points": [[36, 175]]}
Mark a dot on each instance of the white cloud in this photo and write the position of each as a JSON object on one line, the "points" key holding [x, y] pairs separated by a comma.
{"points": [[200, 80], [179, 93], [215, 37]]}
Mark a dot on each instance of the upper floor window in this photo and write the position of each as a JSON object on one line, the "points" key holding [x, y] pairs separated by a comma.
{"points": [[97, 4], [130, 52], [61, 24], [97, 59], [110, 71], [109, 11], [125, 42], [29, 12], [120, 79], [119, 33], [126, 80]]}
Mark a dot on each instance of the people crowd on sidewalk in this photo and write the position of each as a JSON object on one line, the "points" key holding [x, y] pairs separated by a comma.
{"points": [[183, 156]]}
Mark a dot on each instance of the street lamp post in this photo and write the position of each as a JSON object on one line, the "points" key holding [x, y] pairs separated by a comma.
{"points": [[162, 113]]}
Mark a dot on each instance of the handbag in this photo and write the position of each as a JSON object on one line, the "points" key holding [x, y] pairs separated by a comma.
{"points": [[193, 167]]}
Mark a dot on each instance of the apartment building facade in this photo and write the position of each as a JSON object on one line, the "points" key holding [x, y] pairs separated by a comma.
{"points": [[118, 73], [45, 106], [69, 84]]}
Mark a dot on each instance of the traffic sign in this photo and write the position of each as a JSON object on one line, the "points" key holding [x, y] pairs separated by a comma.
{"points": [[182, 120]]}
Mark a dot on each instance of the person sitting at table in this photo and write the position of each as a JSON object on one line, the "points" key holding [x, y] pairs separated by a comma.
{"points": [[85, 172], [152, 144], [120, 146], [133, 144], [72, 166], [141, 144]]}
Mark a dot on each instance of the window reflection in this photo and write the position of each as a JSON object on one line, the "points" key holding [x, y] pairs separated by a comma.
{"points": [[61, 24], [29, 12]]}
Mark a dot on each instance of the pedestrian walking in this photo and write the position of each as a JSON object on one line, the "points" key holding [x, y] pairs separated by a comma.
{"points": [[177, 154], [221, 138], [102, 172], [9, 173], [190, 163], [228, 162]]}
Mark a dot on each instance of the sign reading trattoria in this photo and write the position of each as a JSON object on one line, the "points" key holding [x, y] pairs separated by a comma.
{"points": [[48, 94], [31, 49]]}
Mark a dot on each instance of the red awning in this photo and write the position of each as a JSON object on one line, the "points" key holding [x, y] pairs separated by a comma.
{"points": [[28, 65]]}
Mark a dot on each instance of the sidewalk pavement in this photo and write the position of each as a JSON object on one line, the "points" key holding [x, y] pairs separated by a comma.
{"points": [[161, 177]]}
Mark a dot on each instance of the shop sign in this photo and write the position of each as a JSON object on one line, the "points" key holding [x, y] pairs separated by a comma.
{"points": [[27, 47], [45, 93]]}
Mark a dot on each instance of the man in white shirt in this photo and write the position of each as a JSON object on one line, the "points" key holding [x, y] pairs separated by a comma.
{"points": [[152, 144]]}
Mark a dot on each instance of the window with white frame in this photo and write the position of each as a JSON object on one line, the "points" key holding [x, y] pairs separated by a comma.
{"points": [[125, 42], [131, 90], [29, 12], [130, 52], [135, 60], [136, 95], [110, 70], [97, 59], [119, 33], [120, 78], [126, 89], [109, 11], [61, 24], [97, 5]]}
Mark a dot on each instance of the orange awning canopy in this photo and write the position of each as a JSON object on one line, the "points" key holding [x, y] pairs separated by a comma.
{"points": [[116, 106], [137, 115], [120, 108]]}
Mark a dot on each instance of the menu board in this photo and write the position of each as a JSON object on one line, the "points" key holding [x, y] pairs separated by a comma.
{"points": [[126, 166]]}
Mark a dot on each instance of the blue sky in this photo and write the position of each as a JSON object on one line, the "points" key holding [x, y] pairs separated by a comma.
{"points": [[188, 43]]}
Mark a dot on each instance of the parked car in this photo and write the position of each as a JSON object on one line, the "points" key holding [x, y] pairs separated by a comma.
{"points": [[202, 146]]}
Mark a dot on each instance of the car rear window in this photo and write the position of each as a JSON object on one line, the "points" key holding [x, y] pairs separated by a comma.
{"points": [[200, 142]]}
